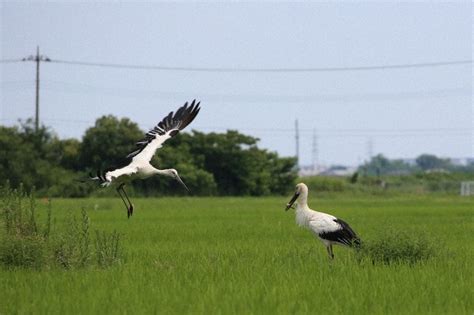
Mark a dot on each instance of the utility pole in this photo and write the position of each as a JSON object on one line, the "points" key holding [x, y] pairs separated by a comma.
{"points": [[315, 151], [297, 138], [38, 58]]}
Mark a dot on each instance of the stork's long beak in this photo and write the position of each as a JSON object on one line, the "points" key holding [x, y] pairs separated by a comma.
{"points": [[292, 201], [181, 182]]}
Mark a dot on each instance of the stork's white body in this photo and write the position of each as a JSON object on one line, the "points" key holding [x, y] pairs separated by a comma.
{"points": [[140, 167], [129, 173], [317, 222]]}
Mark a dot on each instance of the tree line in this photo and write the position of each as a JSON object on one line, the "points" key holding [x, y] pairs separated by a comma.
{"points": [[227, 163], [381, 165]]}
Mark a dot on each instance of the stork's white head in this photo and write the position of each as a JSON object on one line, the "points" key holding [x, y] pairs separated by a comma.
{"points": [[301, 193], [171, 172]]}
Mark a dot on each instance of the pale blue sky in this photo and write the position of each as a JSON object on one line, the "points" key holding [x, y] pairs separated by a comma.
{"points": [[405, 112]]}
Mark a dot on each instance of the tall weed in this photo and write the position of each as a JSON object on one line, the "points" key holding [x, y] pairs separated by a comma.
{"points": [[26, 242]]}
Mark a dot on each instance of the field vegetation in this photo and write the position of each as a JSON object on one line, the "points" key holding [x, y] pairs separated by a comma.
{"points": [[233, 255]]}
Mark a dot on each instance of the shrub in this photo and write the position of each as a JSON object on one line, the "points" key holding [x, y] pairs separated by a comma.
{"points": [[28, 251], [395, 246], [27, 243], [72, 249]]}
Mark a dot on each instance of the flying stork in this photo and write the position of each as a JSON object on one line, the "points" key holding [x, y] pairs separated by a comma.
{"points": [[329, 229], [138, 164]]}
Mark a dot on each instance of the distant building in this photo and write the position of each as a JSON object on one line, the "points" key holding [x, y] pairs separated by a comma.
{"points": [[309, 170], [334, 170], [461, 161]]}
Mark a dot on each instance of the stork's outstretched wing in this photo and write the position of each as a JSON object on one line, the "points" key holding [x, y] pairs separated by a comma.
{"points": [[165, 129]]}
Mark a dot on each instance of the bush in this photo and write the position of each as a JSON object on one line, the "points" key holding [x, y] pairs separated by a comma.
{"points": [[27, 243], [72, 249], [27, 251], [395, 246]]}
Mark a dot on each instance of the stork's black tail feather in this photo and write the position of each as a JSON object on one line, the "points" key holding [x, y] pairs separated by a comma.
{"points": [[100, 177]]}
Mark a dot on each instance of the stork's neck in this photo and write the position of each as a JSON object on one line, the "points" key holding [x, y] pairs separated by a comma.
{"points": [[165, 172], [302, 211], [302, 202]]}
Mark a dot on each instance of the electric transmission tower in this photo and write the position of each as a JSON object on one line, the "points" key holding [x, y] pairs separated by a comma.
{"points": [[370, 148]]}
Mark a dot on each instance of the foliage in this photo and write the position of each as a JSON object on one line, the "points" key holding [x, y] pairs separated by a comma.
{"points": [[26, 251], [325, 183], [380, 165], [391, 246], [108, 142], [225, 164], [38, 159], [409, 184], [27, 243], [107, 248], [72, 248], [25, 240], [431, 162], [238, 166]]}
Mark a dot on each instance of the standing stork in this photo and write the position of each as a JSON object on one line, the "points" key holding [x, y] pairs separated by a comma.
{"points": [[138, 165], [329, 229]]}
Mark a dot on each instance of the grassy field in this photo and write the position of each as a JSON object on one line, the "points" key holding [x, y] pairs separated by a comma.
{"points": [[247, 256]]}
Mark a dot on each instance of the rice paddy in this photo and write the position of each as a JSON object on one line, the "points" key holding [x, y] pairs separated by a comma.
{"points": [[247, 256]]}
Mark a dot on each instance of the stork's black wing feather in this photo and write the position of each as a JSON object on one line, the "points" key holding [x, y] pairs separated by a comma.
{"points": [[345, 235], [173, 123]]}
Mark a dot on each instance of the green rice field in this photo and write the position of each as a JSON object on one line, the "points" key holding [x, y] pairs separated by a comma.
{"points": [[247, 256]]}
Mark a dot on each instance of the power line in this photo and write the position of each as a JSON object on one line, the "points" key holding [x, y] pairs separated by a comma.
{"points": [[79, 88], [277, 69], [368, 134], [10, 60], [302, 131]]}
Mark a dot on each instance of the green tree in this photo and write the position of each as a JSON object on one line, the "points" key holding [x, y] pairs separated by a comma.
{"points": [[33, 158], [429, 162], [216, 163], [380, 165], [224, 163], [239, 166], [108, 142], [15, 158]]}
